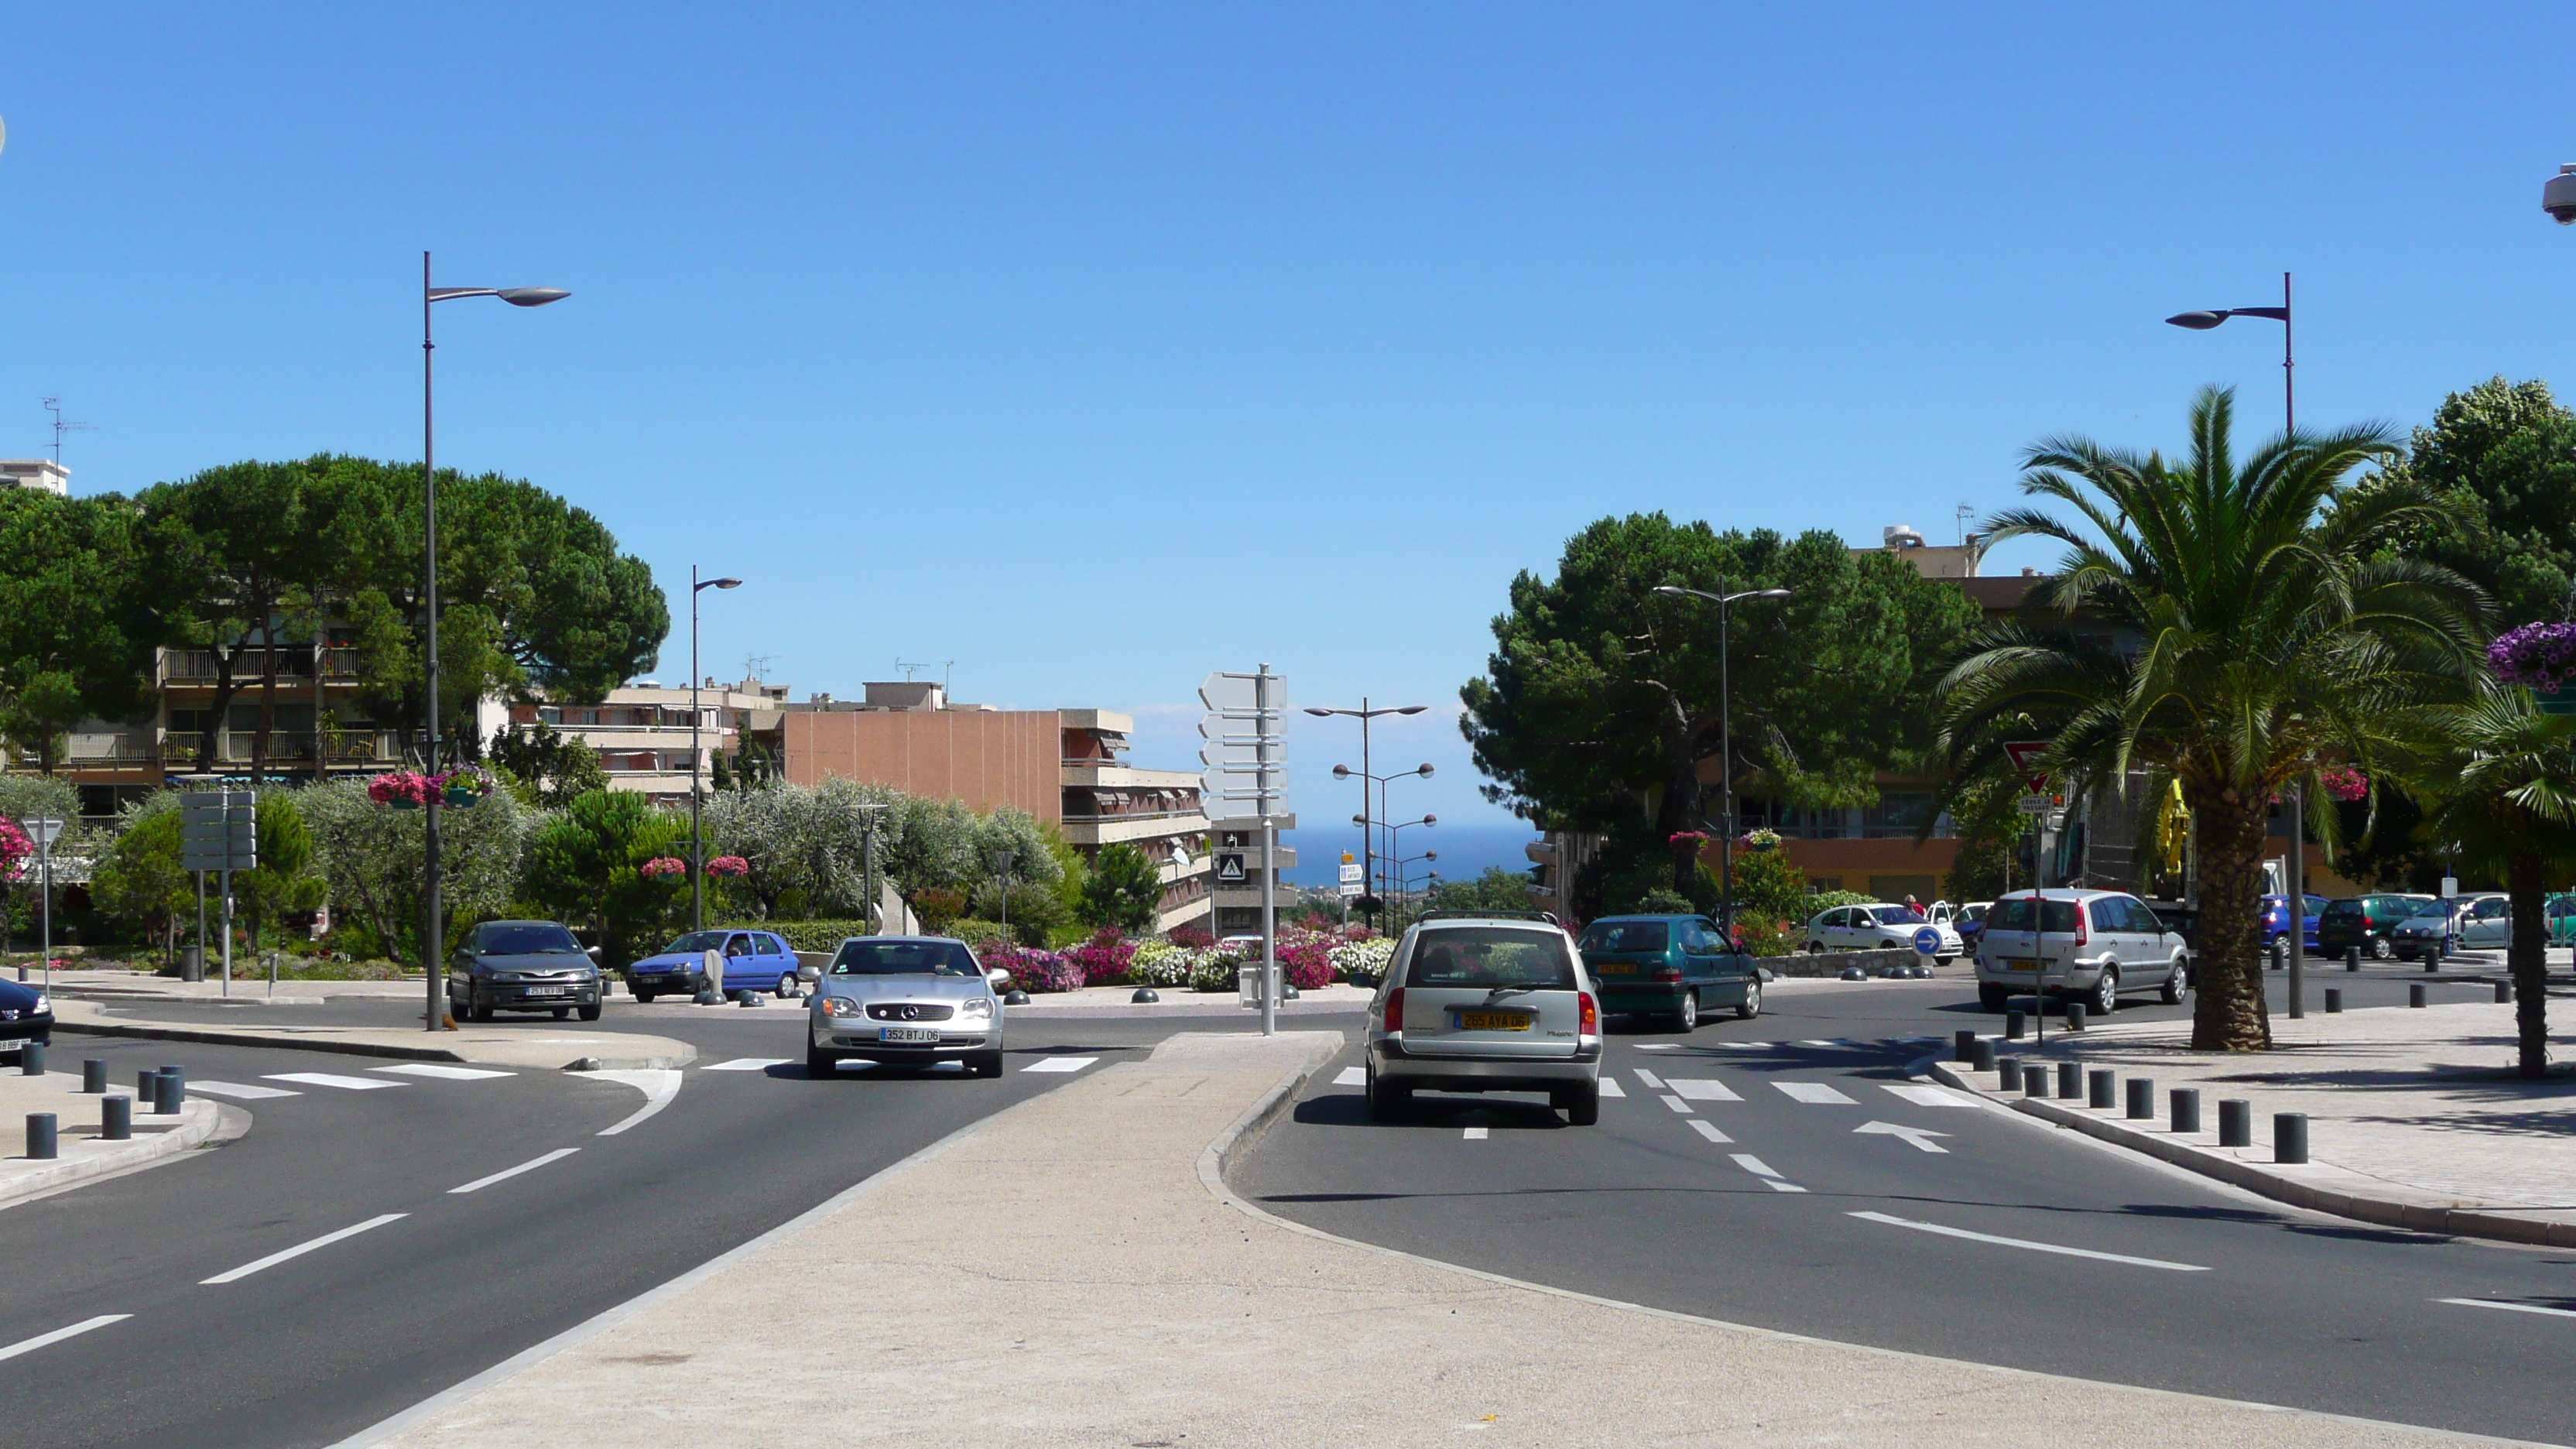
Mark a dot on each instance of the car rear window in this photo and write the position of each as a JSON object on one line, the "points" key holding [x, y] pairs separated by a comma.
{"points": [[904, 958], [1626, 936], [538, 939], [2013, 913], [1479, 957], [2343, 911]]}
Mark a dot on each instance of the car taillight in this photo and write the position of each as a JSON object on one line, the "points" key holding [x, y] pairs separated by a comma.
{"points": [[2081, 936], [1589, 1022], [1395, 1009], [1669, 973]]}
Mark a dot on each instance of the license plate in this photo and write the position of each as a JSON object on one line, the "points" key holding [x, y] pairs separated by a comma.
{"points": [[1493, 1021], [2020, 963], [1616, 968], [548, 991], [907, 1033]]}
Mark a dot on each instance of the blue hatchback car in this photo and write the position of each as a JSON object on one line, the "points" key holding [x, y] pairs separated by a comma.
{"points": [[753, 961], [2276, 925]]}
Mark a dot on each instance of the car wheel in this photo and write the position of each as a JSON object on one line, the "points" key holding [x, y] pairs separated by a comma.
{"points": [[2379, 948], [2172, 992], [786, 985], [644, 998], [2106, 992], [1752, 1006], [1582, 1106], [562, 1013], [1386, 1101], [1991, 996], [1686, 1014], [477, 1009], [1887, 945], [1815, 948], [821, 1063], [590, 1012], [984, 1064]]}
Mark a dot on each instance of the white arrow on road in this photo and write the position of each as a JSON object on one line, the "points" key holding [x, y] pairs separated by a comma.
{"points": [[1919, 1137]]}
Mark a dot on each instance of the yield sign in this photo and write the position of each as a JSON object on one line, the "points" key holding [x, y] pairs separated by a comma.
{"points": [[2025, 758], [1920, 1138]]}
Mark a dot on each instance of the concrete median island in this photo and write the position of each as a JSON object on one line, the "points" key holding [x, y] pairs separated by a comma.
{"points": [[81, 1153], [558, 1048]]}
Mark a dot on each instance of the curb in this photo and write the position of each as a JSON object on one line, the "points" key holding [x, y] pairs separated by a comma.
{"points": [[2384, 1211], [237, 1037], [195, 1127], [1217, 1158]]}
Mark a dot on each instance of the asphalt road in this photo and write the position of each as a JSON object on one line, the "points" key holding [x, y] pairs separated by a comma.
{"points": [[317, 1346], [1729, 1181]]}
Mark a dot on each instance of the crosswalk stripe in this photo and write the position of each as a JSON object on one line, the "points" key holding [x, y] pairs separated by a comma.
{"points": [[1704, 1129], [1351, 1077], [746, 1064], [243, 1090], [1922, 1095], [1649, 1078], [1776, 1185], [443, 1073], [326, 1079], [1753, 1164], [1060, 1064], [1702, 1089], [1815, 1092], [1610, 1087], [1475, 1134], [1676, 1103]]}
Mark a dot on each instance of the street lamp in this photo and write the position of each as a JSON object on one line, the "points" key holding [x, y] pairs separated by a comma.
{"points": [[1364, 715], [2558, 196], [1002, 861], [2203, 321], [697, 796], [1725, 743], [433, 936]]}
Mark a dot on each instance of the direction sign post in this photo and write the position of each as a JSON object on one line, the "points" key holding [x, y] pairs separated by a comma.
{"points": [[43, 829], [1246, 755], [218, 831]]}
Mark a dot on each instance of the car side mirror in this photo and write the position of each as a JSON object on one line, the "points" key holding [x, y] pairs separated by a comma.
{"points": [[996, 976], [591, 951]]}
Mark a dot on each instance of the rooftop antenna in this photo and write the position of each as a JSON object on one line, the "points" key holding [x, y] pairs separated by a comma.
{"points": [[53, 405], [756, 667], [909, 669], [945, 673], [1965, 511]]}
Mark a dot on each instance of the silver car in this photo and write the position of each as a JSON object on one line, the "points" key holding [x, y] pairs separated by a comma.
{"points": [[2467, 923], [1486, 1002], [905, 1000]]}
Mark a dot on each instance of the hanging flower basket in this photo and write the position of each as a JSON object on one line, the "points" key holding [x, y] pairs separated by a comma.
{"points": [[2345, 783], [729, 865], [465, 788], [2542, 656], [1687, 842], [401, 789], [664, 867], [1759, 839]]}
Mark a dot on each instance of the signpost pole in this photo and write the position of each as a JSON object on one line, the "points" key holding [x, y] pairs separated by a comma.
{"points": [[228, 930], [2298, 902], [1269, 731], [48, 912], [201, 921]]}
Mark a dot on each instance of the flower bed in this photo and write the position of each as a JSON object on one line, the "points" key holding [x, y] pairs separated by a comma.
{"points": [[2542, 656], [1033, 971], [1213, 970], [1357, 959], [1105, 959], [1160, 963]]}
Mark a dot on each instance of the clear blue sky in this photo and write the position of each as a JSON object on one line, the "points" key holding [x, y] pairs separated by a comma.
{"points": [[1094, 347]]}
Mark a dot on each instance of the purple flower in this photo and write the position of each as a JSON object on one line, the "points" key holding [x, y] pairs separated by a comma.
{"points": [[2542, 656]]}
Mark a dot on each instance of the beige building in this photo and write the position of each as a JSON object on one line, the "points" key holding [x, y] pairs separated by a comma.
{"points": [[1931, 560], [43, 474], [641, 731]]}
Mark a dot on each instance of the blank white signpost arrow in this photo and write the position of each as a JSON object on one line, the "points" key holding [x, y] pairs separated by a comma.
{"points": [[1920, 1138]]}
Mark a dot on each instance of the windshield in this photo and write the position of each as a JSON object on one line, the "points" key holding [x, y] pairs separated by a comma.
{"points": [[2013, 913], [695, 942], [540, 938], [1625, 936], [1896, 916], [904, 958], [2434, 908], [1483, 957]]}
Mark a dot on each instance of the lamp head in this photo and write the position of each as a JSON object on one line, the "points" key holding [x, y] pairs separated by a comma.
{"points": [[1430, 819], [1319, 710], [531, 296], [1413, 709], [1359, 820], [1423, 770], [2198, 321], [2558, 198], [1341, 772], [728, 583], [1671, 591]]}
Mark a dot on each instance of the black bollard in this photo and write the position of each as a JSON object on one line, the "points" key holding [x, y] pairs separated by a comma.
{"points": [[2415, 994], [31, 1059], [2034, 1079], [169, 1091], [2070, 1081], [2101, 1082], [2142, 1099], [2352, 958], [2010, 1068], [94, 1075], [2334, 999], [2289, 1137], [40, 1135], [178, 1075], [2075, 1016], [1984, 1059], [116, 1119], [147, 1089], [2184, 1112], [1963, 1044], [2504, 991], [2433, 955], [2013, 1024], [2235, 1122]]}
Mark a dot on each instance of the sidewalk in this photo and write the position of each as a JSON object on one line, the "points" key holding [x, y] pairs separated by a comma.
{"points": [[1073, 1272], [81, 1153], [2414, 1115], [571, 1050], [132, 985]]}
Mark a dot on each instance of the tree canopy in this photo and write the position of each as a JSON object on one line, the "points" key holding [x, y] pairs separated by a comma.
{"points": [[2499, 466], [80, 617]]}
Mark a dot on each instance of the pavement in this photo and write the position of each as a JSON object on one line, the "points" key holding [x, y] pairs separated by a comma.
{"points": [[2415, 1116], [81, 1154], [560, 1047], [245, 986], [1075, 1270]]}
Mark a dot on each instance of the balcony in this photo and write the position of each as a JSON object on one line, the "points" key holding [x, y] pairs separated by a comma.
{"points": [[1142, 825], [197, 666]]}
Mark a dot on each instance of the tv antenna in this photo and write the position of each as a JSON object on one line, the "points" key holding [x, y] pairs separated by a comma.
{"points": [[54, 405], [909, 669], [756, 667]]}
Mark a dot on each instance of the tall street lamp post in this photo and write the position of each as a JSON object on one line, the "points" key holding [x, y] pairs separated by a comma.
{"points": [[2295, 887], [1725, 743], [433, 934], [697, 795], [868, 813], [1364, 715], [1395, 859]]}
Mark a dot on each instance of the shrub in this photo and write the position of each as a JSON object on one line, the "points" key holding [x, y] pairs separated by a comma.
{"points": [[1189, 938], [976, 933], [1159, 963], [1213, 970], [1104, 958], [803, 935], [1827, 900], [1662, 901], [1766, 938], [1308, 963], [1368, 958], [1034, 971], [937, 906]]}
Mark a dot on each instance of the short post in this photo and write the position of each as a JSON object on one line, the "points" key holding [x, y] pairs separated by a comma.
{"points": [[168, 1092], [2075, 1016], [178, 1076], [147, 1090], [2034, 1079], [2013, 1021], [2184, 1111], [2415, 993], [2010, 1068], [2289, 1137], [1984, 1059], [2334, 999], [2101, 1083], [2433, 955], [2070, 1081], [2352, 958], [94, 1075], [31, 1059], [1963, 1044], [2504, 991], [2235, 1122], [116, 1119], [2142, 1099], [40, 1135]]}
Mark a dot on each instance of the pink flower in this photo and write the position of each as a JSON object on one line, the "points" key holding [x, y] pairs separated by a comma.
{"points": [[732, 865], [2346, 783], [403, 785], [663, 867]]}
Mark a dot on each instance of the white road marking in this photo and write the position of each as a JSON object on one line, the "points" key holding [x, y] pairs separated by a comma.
{"points": [[658, 1084], [745, 1064], [1060, 1064], [30, 1345], [1920, 1227], [1702, 1089], [1649, 1078], [326, 1079], [444, 1073], [1352, 1077], [1826, 1043], [1776, 1185], [1816, 1092], [300, 1249], [1475, 1134], [1610, 1087], [1708, 1131], [508, 1172], [1753, 1164], [2463, 1302], [243, 1090], [1927, 1096], [1920, 1139], [1676, 1103], [1654, 1046]]}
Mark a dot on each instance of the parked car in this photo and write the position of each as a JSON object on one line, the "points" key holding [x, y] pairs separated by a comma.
{"points": [[523, 966], [2364, 923], [753, 961], [25, 1016], [2560, 913], [2468, 923], [905, 1001], [1881, 926], [1669, 966], [2093, 945], [1970, 923], [1499, 1003], [2276, 925]]}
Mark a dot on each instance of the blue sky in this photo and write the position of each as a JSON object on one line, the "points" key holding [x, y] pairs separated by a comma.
{"points": [[1097, 347]]}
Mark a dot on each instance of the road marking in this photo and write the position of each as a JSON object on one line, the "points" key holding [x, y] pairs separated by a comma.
{"points": [[1475, 1134], [1916, 1137], [658, 1084], [450, 1074], [1676, 1103], [1923, 1096], [1824, 1043], [1920, 1227], [1753, 1164], [1649, 1078], [508, 1172], [1709, 1131], [1816, 1092], [30, 1345], [243, 1090], [1654, 1046], [1776, 1185], [746, 1064], [1610, 1087], [2463, 1302], [300, 1249], [1701, 1089], [325, 1079], [1060, 1064], [1352, 1077]]}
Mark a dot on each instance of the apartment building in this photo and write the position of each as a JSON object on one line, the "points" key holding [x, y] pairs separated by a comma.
{"points": [[642, 733]]}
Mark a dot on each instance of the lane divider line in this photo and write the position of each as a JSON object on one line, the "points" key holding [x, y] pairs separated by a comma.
{"points": [[2463, 1302], [300, 1249], [658, 1084], [1753, 1164], [30, 1345], [531, 1164], [1947, 1232], [1708, 1130], [1776, 1185], [1475, 1134]]}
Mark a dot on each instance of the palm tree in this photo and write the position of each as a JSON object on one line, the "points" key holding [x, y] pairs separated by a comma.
{"points": [[2254, 624], [2499, 787]]}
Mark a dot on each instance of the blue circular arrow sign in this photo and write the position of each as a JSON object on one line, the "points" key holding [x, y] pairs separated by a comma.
{"points": [[1927, 941]]}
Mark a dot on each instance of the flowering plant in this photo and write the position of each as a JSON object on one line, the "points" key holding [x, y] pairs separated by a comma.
{"points": [[1362, 958], [1033, 971], [466, 782], [2345, 783], [1104, 959], [2542, 656], [663, 867], [1189, 938], [730, 865], [15, 847], [1159, 963], [1760, 837], [1687, 842], [401, 787]]}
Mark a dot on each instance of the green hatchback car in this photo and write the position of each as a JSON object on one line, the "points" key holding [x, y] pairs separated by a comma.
{"points": [[1674, 967]]}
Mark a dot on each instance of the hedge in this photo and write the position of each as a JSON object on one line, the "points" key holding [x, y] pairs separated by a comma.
{"points": [[803, 935]]}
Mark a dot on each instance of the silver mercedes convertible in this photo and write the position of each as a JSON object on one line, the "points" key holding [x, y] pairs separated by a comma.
{"points": [[905, 1001]]}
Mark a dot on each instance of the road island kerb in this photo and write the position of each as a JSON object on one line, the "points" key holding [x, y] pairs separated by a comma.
{"points": [[1035, 1279], [81, 1153], [2412, 1116], [569, 1050]]}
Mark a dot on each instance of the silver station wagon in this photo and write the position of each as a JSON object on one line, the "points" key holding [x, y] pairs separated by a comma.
{"points": [[1486, 1002], [908, 1001]]}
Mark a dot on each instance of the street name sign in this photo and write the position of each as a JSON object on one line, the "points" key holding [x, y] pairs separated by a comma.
{"points": [[1246, 753], [219, 830]]}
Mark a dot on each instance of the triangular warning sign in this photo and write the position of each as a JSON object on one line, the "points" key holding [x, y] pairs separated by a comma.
{"points": [[1229, 870]]}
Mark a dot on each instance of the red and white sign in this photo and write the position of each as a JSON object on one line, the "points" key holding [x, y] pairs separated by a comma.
{"points": [[2025, 757]]}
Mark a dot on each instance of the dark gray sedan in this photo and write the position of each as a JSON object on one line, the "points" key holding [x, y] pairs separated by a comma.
{"points": [[905, 1000], [522, 966]]}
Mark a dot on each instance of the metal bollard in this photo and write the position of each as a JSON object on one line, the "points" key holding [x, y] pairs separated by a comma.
{"points": [[2013, 1024], [2504, 991], [1963, 1045], [147, 1089], [94, 1075], [2415, 994], [2034, 1079], [1984, 1059], [2010, 1068], [2433, 955], [2334, 998], [2235, 1122], [2070, 1081], [2075, 1016], [2184, 1112], [2289, 1137], [2142, 1099], [116, 1119], [2352, 958], [2101, 1081], [40, 1135], [175, 1072], [168, 1091], [31, 1059]]}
